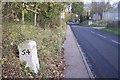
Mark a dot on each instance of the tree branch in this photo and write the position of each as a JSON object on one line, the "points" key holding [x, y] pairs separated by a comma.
{"points": [[32, 11]]}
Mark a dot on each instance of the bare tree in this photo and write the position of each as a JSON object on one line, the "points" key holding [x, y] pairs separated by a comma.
{"points": [[99, 7]]}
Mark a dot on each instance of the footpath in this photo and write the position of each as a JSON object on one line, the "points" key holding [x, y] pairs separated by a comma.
{"points": [[73, 58]]}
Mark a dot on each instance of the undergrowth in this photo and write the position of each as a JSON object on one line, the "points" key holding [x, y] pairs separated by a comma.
{"points": [[48, 41]]}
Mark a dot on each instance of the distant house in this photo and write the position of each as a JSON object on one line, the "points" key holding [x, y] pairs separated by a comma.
{"points": [[111, 15], [96, 16]]}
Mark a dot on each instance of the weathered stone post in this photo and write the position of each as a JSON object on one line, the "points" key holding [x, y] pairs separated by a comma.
{"points": [[28, 53]]}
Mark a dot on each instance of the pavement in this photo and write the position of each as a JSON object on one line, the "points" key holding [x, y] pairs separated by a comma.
{"points": [[76, 67], [101, 48]]}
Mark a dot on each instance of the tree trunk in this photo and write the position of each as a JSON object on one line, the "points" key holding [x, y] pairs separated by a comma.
{"points": [[23, 14], [35, 16], [101, 16]]}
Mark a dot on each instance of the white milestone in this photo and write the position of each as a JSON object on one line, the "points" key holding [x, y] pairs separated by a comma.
{"points": [[28, 53]]}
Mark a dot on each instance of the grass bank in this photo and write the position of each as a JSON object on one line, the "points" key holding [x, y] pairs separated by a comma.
{"points": [[112, 30], [48, 48]]}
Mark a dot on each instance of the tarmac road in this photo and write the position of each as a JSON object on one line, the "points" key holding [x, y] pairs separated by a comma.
{"points": [[101, 49]]}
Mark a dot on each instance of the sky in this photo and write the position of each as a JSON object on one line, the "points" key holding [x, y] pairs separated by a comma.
{"points": [[111, 1]]}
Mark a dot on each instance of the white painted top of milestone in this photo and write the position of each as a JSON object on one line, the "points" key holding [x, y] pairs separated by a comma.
{"points": [[28, 53]]}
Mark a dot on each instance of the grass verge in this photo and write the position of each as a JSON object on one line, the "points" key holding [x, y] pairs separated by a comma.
{"points": [[112, 30]]}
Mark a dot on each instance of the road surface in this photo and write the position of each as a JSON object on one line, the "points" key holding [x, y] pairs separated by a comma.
{"points": [[101, 49]]}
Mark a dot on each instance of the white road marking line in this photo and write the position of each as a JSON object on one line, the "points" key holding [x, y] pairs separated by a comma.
{"points": [[101, 35], [115, 42], [105, 37], [92, 32]]}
